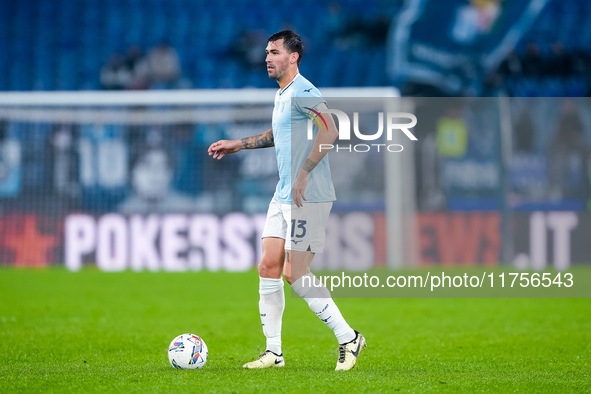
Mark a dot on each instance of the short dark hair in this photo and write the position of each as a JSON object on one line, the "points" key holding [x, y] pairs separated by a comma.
{"points": [[291, 41]]}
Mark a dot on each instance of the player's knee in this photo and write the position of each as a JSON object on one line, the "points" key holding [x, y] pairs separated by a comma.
{"points": [[268, 268], [265, 271]]}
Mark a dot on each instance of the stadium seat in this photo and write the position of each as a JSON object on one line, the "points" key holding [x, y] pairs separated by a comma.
{"points": [[91, 30]]}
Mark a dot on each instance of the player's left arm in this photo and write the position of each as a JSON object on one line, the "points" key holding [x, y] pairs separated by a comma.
{"points": [[324, 137]]}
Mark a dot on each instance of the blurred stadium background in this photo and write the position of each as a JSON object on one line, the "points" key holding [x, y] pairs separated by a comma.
{"points": [[118, 175]]}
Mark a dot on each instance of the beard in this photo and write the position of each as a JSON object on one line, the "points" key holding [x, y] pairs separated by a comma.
{"points": [[276, 74]]}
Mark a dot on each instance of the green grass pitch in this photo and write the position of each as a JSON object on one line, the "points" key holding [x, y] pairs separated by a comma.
{"points": [[108, 332]]}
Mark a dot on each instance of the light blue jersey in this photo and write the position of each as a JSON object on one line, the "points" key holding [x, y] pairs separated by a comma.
{"points": [[290, 123]]}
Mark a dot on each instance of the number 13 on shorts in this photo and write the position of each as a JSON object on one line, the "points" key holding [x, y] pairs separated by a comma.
{"points": [[298, 228], [307, 227]]}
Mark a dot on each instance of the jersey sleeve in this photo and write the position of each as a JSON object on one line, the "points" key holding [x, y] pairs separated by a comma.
{"points": [[309, 100]]}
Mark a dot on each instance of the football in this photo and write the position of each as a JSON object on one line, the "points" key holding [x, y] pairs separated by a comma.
{"points": [[187, 351]]}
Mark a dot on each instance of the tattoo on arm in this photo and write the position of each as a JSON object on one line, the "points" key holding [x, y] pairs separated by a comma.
{"points": [[263, 140], [309, 165]]}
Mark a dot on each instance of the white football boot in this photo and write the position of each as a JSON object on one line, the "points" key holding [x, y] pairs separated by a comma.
{"points": [[268, 359], [349, 352]]}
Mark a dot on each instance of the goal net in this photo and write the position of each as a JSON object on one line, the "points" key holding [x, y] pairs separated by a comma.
{"points": [[123, 180]]}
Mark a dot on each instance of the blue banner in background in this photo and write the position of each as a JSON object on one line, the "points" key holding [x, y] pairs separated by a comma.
{"points": [[472, 38]]}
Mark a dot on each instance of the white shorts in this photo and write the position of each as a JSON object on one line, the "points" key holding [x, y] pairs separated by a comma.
{"points": [[303, 229]]}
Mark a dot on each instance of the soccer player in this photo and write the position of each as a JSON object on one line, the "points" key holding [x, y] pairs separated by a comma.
{"points": [[295, 227]]}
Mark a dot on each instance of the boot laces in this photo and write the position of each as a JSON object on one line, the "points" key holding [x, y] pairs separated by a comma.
{"points": [[342, 353]]}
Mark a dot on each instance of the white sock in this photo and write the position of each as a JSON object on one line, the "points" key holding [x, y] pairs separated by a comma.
{"points": [[318, 298], [271, 306]]}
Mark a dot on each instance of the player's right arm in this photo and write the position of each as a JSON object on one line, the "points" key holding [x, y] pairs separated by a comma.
{"points": [[222, 148]]}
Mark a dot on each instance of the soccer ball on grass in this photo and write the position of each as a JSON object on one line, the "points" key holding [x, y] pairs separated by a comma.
{"points": [[187, 351]]}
